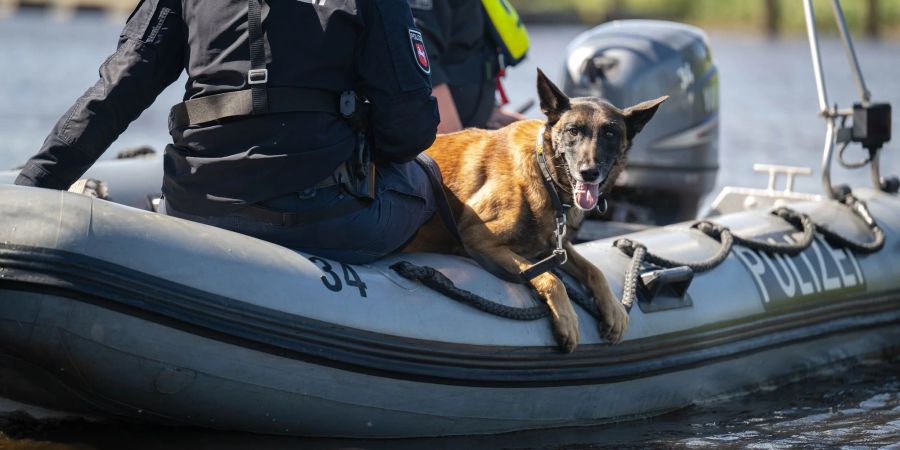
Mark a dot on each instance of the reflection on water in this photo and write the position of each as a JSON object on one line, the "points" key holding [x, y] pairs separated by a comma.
{"points": [[856, 407], [767, 112]]}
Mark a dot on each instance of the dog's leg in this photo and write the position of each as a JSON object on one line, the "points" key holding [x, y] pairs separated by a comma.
{"points": [[550, 288], [615, 318]]}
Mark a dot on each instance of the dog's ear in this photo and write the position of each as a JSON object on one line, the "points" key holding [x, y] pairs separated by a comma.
{"points": [[553, 101], [638, 115]]}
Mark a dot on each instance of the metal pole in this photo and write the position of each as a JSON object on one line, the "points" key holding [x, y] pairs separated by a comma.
{"points": [[864, 93], [826, 157], [816, 58], [876, 172]]}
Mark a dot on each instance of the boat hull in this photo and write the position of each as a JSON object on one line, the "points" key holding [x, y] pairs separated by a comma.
{"points": [[110, 311]]}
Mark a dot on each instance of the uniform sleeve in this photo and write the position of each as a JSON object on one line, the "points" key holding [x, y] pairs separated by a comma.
{"points": [[404, 115], [433, 17], [149, 57]]}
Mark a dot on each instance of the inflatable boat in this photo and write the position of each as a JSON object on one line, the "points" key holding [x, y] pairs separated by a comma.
{"points": [[111, 310]]}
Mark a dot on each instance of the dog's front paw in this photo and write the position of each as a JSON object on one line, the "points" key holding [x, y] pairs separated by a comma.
{"points": [[615, 319], [565, 328]]}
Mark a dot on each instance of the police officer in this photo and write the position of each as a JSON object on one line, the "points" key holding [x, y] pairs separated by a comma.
{"points": [[464, 64], [299, 123]]}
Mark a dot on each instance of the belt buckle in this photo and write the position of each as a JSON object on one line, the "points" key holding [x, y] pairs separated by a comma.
{"points": [[257, 76]]}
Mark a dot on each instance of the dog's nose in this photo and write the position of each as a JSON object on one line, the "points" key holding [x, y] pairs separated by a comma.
{"points": [[590, 174]]}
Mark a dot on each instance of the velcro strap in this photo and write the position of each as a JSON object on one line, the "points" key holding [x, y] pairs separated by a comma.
{"points": [[240, 103]]}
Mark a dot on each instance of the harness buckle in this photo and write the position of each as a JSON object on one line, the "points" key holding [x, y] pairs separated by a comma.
{"points": [[560, 235], [257, 76], [561, 255]]}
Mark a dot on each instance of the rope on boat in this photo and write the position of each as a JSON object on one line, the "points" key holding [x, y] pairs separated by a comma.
{"points": [[640, 256], [434, 279], [437, 281]]}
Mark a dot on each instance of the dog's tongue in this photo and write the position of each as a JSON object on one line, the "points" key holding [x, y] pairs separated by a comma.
{"points": [[586, 195]]}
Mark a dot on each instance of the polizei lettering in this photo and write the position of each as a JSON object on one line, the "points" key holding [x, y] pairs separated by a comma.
{"points": [[819, 271]]}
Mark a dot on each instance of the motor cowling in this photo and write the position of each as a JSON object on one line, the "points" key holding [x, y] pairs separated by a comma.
{"points": [[674, 160]]}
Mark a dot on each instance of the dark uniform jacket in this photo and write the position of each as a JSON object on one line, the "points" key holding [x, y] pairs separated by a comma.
{"points": [[218, 167], [462, 53]]}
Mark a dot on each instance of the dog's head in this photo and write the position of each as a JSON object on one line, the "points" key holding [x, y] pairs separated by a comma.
{"points": [[588, 139]]}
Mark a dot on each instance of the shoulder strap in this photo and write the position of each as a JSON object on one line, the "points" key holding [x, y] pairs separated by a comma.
{"points": [[258, 76]]}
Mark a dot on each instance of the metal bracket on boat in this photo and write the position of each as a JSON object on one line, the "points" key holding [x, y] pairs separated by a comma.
{"points": [[665, 289], [153, 202], [871, 121], [91, 188], [678, 279], [736, 199]]}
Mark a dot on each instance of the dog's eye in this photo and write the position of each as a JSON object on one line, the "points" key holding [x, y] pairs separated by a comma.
{"points": [[610, 132], [572, 131]]}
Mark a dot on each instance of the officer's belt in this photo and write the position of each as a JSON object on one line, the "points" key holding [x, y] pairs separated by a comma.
{"points": [[340, 176], [240, 103], [291, 219]]}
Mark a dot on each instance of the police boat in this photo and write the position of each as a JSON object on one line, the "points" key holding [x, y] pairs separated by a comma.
{"points": [[116, 312]]}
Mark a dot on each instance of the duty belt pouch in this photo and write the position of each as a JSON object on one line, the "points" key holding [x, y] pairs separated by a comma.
{"points": [[361, 170]]}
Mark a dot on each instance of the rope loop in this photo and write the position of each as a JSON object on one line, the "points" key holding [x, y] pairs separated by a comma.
{"points": [[860, 208], [627, 246], [437, 281], [632, 275], [710, 229]]}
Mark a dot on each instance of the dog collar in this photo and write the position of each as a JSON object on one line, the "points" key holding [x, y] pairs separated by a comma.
{"points": [[547, 176], [559, 256]]}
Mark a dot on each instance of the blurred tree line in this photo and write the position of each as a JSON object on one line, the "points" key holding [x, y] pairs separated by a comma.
{"points": [[872, 17]]}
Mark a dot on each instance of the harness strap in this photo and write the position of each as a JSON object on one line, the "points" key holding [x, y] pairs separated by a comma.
{"points": [[258, 76], [449, 221], [547, 177], [243, 103], [558, 257]]}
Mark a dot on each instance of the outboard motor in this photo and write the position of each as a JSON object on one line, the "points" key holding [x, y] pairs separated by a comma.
{"points": [[674, 161]]}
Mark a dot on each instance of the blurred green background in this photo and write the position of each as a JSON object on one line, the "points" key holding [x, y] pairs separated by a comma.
{"points": [[872, 17]]}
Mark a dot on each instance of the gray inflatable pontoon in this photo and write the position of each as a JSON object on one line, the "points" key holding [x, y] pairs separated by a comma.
{"points": [[108, 310]]}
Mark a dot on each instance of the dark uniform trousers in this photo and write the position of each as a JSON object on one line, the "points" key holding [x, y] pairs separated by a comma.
{"points": [[403, 203]]}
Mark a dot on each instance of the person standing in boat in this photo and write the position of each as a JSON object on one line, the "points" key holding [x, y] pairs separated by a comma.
{"points": [[299, 124], [468, 52]]}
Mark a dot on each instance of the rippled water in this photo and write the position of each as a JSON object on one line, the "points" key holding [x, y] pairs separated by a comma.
{"points": [[853, 407], [768, 107]]}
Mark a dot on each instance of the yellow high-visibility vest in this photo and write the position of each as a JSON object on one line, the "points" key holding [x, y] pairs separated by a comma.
{"points": [[508, 30]]}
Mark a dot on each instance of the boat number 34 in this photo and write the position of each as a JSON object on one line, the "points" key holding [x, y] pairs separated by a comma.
{"points": [[332, 279]]}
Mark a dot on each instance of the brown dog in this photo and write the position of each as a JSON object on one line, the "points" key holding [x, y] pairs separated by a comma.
{"points": [[493, 183]]}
